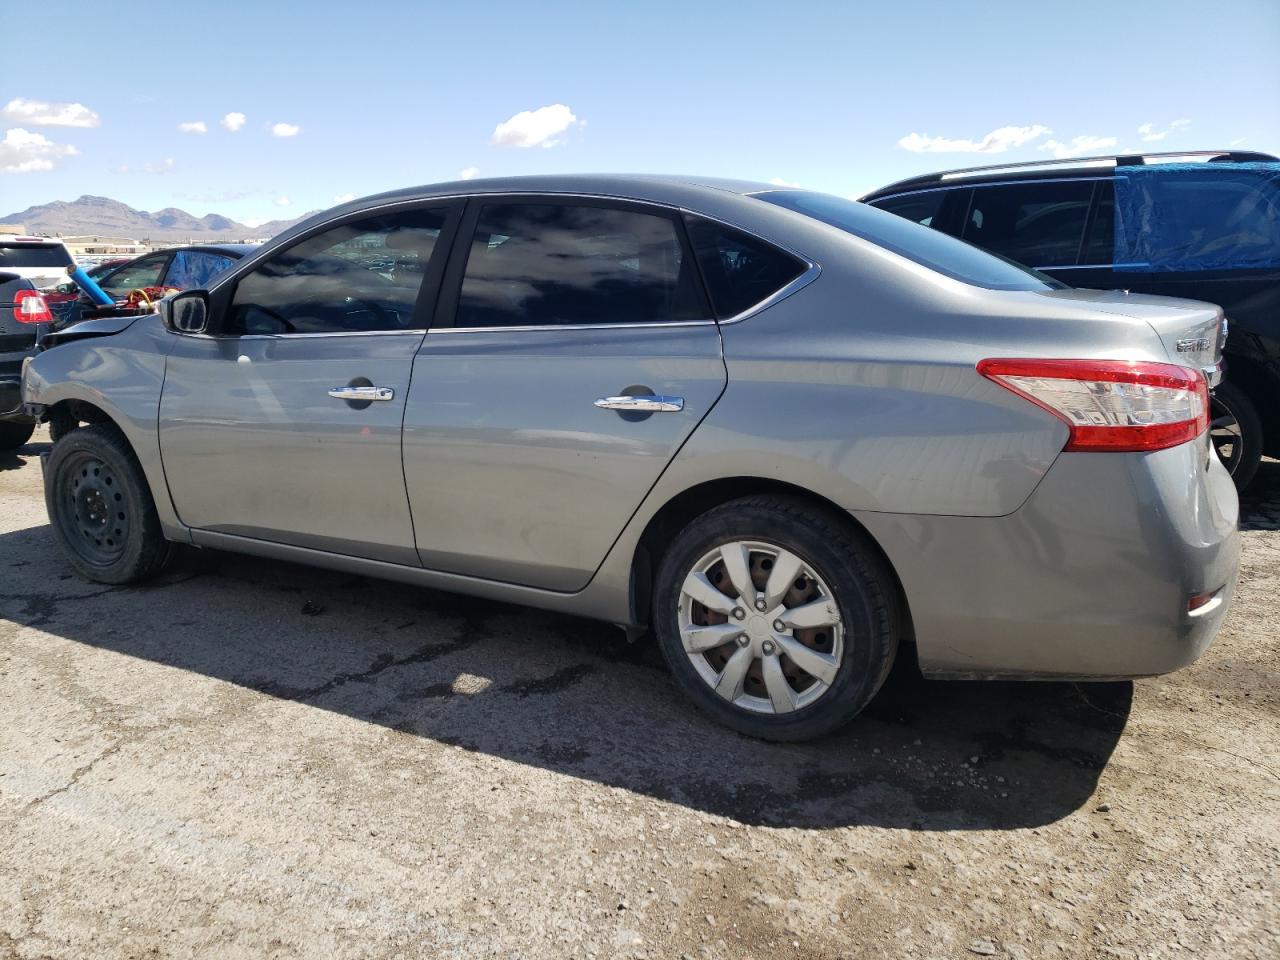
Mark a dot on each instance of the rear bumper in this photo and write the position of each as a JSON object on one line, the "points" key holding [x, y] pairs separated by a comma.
{"points": [[1090, 578]]}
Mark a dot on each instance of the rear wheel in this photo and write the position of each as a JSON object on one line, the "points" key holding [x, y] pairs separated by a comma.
{"points": [[777, 618], [1236, 431], [101, 508], [14, 435]]}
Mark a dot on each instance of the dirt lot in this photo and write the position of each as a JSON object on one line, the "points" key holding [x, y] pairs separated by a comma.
{"points": [[255, 760]]}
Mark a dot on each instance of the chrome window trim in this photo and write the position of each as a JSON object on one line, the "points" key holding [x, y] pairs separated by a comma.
{"points": [[247, 264], [297, 336]]}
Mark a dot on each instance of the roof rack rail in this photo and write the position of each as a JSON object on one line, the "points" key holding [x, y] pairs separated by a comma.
{"points": [[1119, 160]]}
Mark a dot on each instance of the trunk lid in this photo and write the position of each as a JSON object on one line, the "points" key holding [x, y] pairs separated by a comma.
{"points": [[1193, 333]]}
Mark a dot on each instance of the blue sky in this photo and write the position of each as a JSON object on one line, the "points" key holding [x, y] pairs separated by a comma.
{"points": [[838, 96]]}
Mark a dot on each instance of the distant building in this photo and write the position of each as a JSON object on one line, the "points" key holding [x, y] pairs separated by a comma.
{"points": [[105, 246]]}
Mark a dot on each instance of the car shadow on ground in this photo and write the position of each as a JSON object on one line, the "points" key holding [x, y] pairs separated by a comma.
{"points": [[572, 696], [1260, 504]]}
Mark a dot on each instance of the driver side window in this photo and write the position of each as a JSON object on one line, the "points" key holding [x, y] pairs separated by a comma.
{"points": [[360, 277]]}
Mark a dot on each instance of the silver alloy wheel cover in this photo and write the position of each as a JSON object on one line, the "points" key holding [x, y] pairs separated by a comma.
{"points": [[698, 640]]}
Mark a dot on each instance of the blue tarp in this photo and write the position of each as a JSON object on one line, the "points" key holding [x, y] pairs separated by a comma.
{"points": [[1181, 217]]}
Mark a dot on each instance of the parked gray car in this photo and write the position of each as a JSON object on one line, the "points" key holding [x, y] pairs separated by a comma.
{"points": [[796, 436]]}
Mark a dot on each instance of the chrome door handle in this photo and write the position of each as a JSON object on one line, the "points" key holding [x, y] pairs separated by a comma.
{"points": [[647, 404], [361, 393]]}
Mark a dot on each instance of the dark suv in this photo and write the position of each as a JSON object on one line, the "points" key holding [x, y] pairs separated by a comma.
{"points": [[1203, 225]]}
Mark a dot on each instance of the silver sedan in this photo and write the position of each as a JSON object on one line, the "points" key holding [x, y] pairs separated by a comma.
{"points": [[790, 436]]}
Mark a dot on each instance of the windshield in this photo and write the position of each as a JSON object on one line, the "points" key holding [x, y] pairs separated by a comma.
{"points": [[924, 245]]}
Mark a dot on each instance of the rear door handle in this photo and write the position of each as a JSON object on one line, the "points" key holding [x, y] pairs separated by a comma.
{"points": [[362, 393], [648, 403]]}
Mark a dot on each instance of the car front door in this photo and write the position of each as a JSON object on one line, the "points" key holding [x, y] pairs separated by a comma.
{"points": [[284, 423], [575, 355]]}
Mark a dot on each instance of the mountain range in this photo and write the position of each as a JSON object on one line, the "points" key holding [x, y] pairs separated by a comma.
{"points": [[102, 216]]}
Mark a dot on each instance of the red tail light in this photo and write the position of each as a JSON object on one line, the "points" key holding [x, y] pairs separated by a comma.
{"points": [[29, 307], [1112, 405]]}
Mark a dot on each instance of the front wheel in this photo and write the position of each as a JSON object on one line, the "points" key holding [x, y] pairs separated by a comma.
{"points": [[1236, 432], [777, 618], [101, 508]]}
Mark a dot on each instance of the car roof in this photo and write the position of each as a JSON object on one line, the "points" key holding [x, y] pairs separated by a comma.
{"points": [[9, 240], [1061, 169]]}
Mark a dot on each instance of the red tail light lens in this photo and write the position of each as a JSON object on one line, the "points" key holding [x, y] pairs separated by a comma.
{"points": [[1115, 405], [29, 307]]}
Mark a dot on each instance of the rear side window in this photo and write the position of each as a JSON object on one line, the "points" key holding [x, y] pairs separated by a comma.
{"points": [[740, 270], [1100, 244], [929, 248], [33, 255], [563, 264], [917, 207], [1037, 224], [192, 269]]}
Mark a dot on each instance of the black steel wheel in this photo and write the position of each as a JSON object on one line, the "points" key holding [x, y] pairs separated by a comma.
{"points": [[101, 508]]}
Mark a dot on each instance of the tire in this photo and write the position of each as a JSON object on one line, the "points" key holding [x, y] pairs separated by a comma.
{"points": [[1236, 431], [60, 424], [101, 507], [819, 555], [14, 435]]}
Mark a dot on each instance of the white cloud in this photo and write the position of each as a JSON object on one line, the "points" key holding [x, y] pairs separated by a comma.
{"points": [[779, 182], [285, 129], [469, 173], [164, 166], [41, 114], [281, 201], [24, 152], [997, 141], [1078, 147], [535, 128], [234, 121], [344, 198], [1149, 132], [194, 126]]}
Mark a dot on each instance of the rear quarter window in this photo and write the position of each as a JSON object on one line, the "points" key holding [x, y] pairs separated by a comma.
{"points": [[740, 270]]}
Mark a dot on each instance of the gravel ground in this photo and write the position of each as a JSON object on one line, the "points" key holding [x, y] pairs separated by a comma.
{"points": [[249, 759]]}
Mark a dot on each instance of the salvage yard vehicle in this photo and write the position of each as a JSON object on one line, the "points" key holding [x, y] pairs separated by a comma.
{"points": [[1204, 225], [140, 282], [794, 435], [24, 317], [42, 260]]}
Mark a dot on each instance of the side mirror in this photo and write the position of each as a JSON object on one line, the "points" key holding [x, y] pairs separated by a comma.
{"points": [[186, 312]]}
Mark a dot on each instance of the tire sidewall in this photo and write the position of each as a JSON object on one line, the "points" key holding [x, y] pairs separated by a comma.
{"points": [[1239, 406], [103, 443], [869, 639]]}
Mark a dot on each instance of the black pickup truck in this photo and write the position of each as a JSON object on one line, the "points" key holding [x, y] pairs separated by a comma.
{"points": [[24, 319]]}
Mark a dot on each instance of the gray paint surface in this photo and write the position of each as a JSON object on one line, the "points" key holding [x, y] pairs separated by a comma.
{"points": [[858, 388]]}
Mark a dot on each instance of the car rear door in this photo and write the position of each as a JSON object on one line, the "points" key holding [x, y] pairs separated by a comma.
{"points": [[284, 425], [573, 353]]}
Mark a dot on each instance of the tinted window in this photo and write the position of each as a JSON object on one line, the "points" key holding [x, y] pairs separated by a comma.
{"points": [[193, 269], [1099, 245], [541, 264], [1038, 224], [355, 278], [740, 270], [917, 207], [144, 272], [929, 248], [34, 255]]}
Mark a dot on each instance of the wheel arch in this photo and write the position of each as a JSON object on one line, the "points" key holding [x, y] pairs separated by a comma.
{"points": [[694, 501]]}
